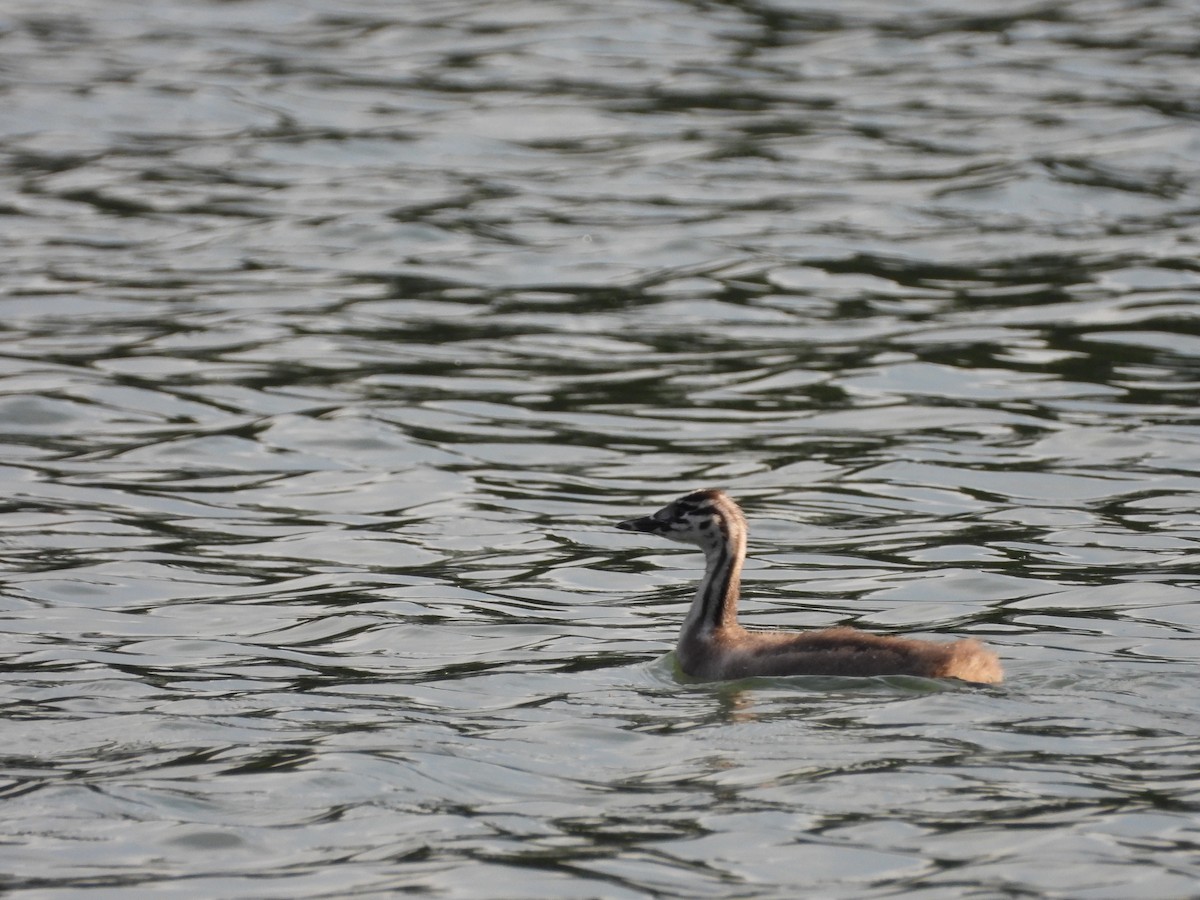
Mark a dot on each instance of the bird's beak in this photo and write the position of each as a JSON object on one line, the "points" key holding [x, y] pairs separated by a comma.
{"points": [[646, 524]]}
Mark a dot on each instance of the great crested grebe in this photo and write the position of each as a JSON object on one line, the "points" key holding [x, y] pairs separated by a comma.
{"points": [[713, 646]]}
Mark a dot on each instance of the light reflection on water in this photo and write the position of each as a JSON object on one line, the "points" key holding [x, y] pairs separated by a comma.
{"points": [[337, 342]]}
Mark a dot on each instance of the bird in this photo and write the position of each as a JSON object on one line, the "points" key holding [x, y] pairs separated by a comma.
{"points": [[712, 645]]}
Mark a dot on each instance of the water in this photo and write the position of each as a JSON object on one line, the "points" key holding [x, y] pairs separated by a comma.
{"points": [[337, 340]]}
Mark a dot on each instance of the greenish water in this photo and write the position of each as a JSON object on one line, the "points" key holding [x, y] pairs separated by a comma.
{"points": [[336, 342]]}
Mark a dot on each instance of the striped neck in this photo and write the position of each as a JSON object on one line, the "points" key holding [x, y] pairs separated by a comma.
{"points": [[715, 606]]}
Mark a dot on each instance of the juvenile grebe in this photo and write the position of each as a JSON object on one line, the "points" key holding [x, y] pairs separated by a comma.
{"points": [[712, 645]]}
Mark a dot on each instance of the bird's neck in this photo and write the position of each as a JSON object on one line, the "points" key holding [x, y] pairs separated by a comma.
{"points": [[715, 606]]}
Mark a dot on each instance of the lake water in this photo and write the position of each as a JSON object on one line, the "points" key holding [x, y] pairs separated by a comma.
{"points": [[337, 338]]}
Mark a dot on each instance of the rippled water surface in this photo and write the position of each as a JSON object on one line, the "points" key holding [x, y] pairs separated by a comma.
{"points": [[337, 337]]}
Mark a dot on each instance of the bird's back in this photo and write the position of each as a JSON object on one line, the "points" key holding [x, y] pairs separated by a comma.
{"points": [[836, 651]]}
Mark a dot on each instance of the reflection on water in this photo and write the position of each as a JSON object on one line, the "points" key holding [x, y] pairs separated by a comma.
{"points": [[336, 342]]}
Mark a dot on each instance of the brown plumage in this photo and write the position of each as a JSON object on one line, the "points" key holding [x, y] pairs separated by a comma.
{"points": [[712, 645]]}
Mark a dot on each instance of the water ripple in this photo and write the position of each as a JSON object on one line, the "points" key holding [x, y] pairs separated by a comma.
{"points": [[337, 340]]}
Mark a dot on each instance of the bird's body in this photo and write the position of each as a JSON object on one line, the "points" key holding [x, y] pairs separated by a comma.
{"points": [[713, 646]]}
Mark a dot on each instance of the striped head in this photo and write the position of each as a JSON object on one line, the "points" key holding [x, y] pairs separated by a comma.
{"points": [[702, 518]]}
